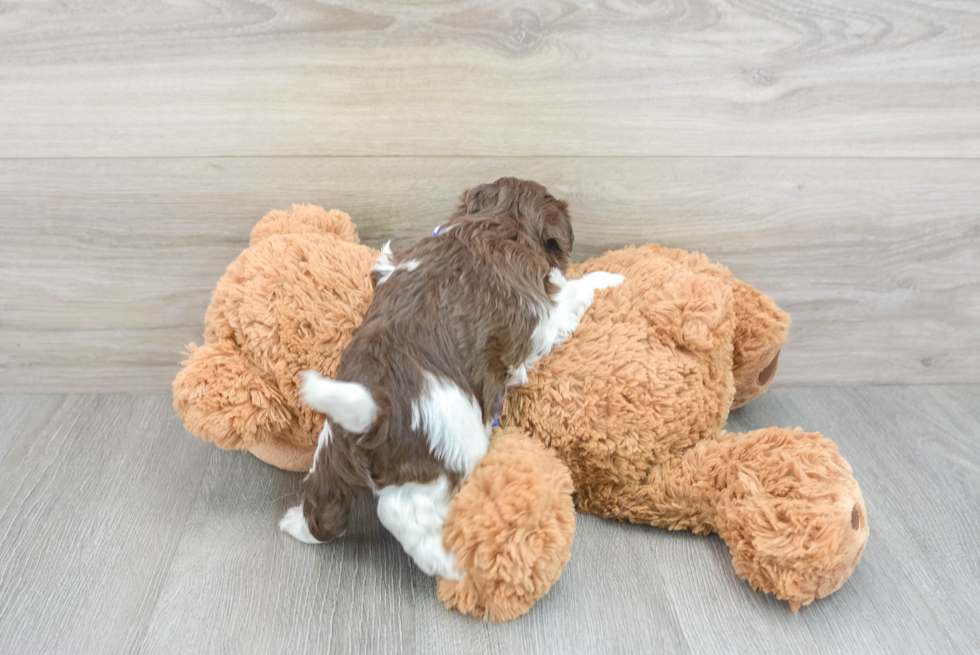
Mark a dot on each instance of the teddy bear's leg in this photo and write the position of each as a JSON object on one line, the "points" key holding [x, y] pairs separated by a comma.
{"points": [[510, 527], [328, 496], [681, 493], [792, 514], [784, 501]]}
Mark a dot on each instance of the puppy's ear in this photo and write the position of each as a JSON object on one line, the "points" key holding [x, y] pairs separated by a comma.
{"points": [[481, 198], [557, 236]]}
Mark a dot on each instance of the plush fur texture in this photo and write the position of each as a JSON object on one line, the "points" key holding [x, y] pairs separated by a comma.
{"points": [[290, 302], [410, 412], [633, 405], [668, 353], [510, 527]]}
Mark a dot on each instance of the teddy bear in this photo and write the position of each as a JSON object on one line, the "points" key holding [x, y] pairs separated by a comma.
{"points": [[668, 354], [624, 419], [290, 302]]}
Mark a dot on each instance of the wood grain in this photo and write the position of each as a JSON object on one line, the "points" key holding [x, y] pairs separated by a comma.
{"points": [[25, 414], [685, 77], [914, 452], [108, 265], [627, 587], [123, 534], [94, 494]]}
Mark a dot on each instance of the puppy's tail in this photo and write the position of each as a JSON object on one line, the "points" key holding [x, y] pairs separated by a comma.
{"points": [[350, 405]]}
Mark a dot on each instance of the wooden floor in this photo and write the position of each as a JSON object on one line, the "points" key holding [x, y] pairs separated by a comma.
{"points": [[827, 151], [120, 533]]}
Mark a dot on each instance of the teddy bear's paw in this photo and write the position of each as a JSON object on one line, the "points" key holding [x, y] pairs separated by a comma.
{"points": [[797, 552], [797, 525]]}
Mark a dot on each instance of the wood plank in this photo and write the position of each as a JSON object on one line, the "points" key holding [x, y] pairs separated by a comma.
{"points": [[238, 585], [914, 452], [120, 533], [693, 77], [93, 498], [25, 415], [108, 265]]}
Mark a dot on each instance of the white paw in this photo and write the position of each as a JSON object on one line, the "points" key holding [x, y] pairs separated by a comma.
{"points": [[309, 387], [294, 524], [446, 568], [603, 280], [517, 375], [433, 559], [454, 575], [556, 278]]}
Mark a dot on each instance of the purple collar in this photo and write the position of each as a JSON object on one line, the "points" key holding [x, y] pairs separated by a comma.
{"points": [[498, 404]]}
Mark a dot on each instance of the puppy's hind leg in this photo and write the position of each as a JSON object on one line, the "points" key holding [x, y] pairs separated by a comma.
{"points": [[294, 524], [327, 501], [323, 514], [415, 514]]}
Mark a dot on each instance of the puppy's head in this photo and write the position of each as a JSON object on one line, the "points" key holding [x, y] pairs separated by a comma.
{"points": [[543, 216]]}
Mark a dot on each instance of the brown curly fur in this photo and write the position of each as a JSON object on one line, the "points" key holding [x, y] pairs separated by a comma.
{"points": [[668, 354]]}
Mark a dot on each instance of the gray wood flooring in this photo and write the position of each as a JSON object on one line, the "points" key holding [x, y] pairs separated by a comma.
{"points": [[121, 533]]}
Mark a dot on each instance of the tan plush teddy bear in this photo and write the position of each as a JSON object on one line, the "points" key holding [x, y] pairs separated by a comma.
{"points": [[632, 404]]}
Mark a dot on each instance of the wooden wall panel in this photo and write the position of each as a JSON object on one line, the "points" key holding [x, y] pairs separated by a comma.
{"points": [[107, 265], [485, 78]]}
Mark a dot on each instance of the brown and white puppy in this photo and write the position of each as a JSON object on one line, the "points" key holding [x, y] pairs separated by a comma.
{"points": [[454, 321]]}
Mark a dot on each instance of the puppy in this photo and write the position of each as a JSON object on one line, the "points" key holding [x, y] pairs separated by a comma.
{"points": [[455, 320]]}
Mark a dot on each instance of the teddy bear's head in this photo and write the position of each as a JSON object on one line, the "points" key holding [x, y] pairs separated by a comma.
{"points": [[289, 302]]}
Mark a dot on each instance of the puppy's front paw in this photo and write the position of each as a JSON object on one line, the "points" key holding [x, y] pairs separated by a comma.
{"points": [[603, 280], [448, 570], [309, 387], [517, 375]]}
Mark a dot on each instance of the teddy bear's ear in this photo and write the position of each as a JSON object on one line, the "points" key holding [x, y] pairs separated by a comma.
{"points": [[305, 219], [221, 398]]}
